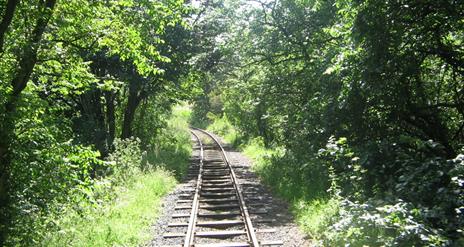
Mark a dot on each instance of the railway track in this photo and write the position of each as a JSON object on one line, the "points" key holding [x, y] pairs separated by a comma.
{"points": [[212, 211]]}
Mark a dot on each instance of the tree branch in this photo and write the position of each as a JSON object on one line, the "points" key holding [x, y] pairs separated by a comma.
{"points": [[6, 20]]}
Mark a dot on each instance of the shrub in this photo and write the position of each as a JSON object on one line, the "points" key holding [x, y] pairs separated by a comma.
{"points": [[59, 175], [126, 159], [377, 223], [346, 174], [425, 209]]}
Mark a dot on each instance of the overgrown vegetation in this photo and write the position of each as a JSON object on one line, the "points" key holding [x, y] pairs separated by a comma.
{"points": [[121, 207], [357, 110], [86, 89], [354, 110], [117, 208], [124, 220]]}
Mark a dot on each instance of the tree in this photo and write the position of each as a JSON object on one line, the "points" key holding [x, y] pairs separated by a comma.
{"points": [[47, 49], [384, 75]]}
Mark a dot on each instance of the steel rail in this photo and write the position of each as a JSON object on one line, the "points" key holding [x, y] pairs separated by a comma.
{"points": [[244, 210], [190, 234]]}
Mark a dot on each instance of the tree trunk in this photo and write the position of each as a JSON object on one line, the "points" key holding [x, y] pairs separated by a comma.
{"points": [[92, 124], [129, 114], [110, 118], [261, 122], [5, 161], [135, 97], [141, 119], [29, 55], [100, 136], [6, 20]]}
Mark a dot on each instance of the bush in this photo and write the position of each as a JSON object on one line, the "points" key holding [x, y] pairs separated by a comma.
{"points": [[126, 159], [425, 208], [59, 175], [376, 223], [173, 147], [67, 195], [346, 174]]}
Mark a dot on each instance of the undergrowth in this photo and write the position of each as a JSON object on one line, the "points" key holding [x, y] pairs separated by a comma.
{"points": [[118, 205], [173, 146], [123, 221], [222, 127], [326, 191]]}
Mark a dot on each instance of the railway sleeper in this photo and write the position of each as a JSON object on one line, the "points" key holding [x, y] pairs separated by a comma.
{"points": [[215, 234], [213, 182], [216, 195], [216, 174], [211, 223], [224, 214], [225, 244], [219, 234], [207, 185], [183, 207], [221, 165], [220, 189], [185, 195], [219, 200], [212, 160], [219, 207], [217, 180], [214, 177], [180, 215], [216, 170], [184, 201]]}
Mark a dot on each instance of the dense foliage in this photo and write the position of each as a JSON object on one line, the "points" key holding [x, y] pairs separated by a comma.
{"points": [[361, 103], [79, 80], [363, 98]]}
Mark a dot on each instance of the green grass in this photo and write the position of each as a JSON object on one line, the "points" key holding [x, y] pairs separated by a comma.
{"points": [[222, 127], [315, 216], [174, 148], [255, 149], [124, 222], [304, 190]]}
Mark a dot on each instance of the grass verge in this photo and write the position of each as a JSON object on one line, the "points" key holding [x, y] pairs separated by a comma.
{"points": [[122, 222], [222, 127], [173, 147]]}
